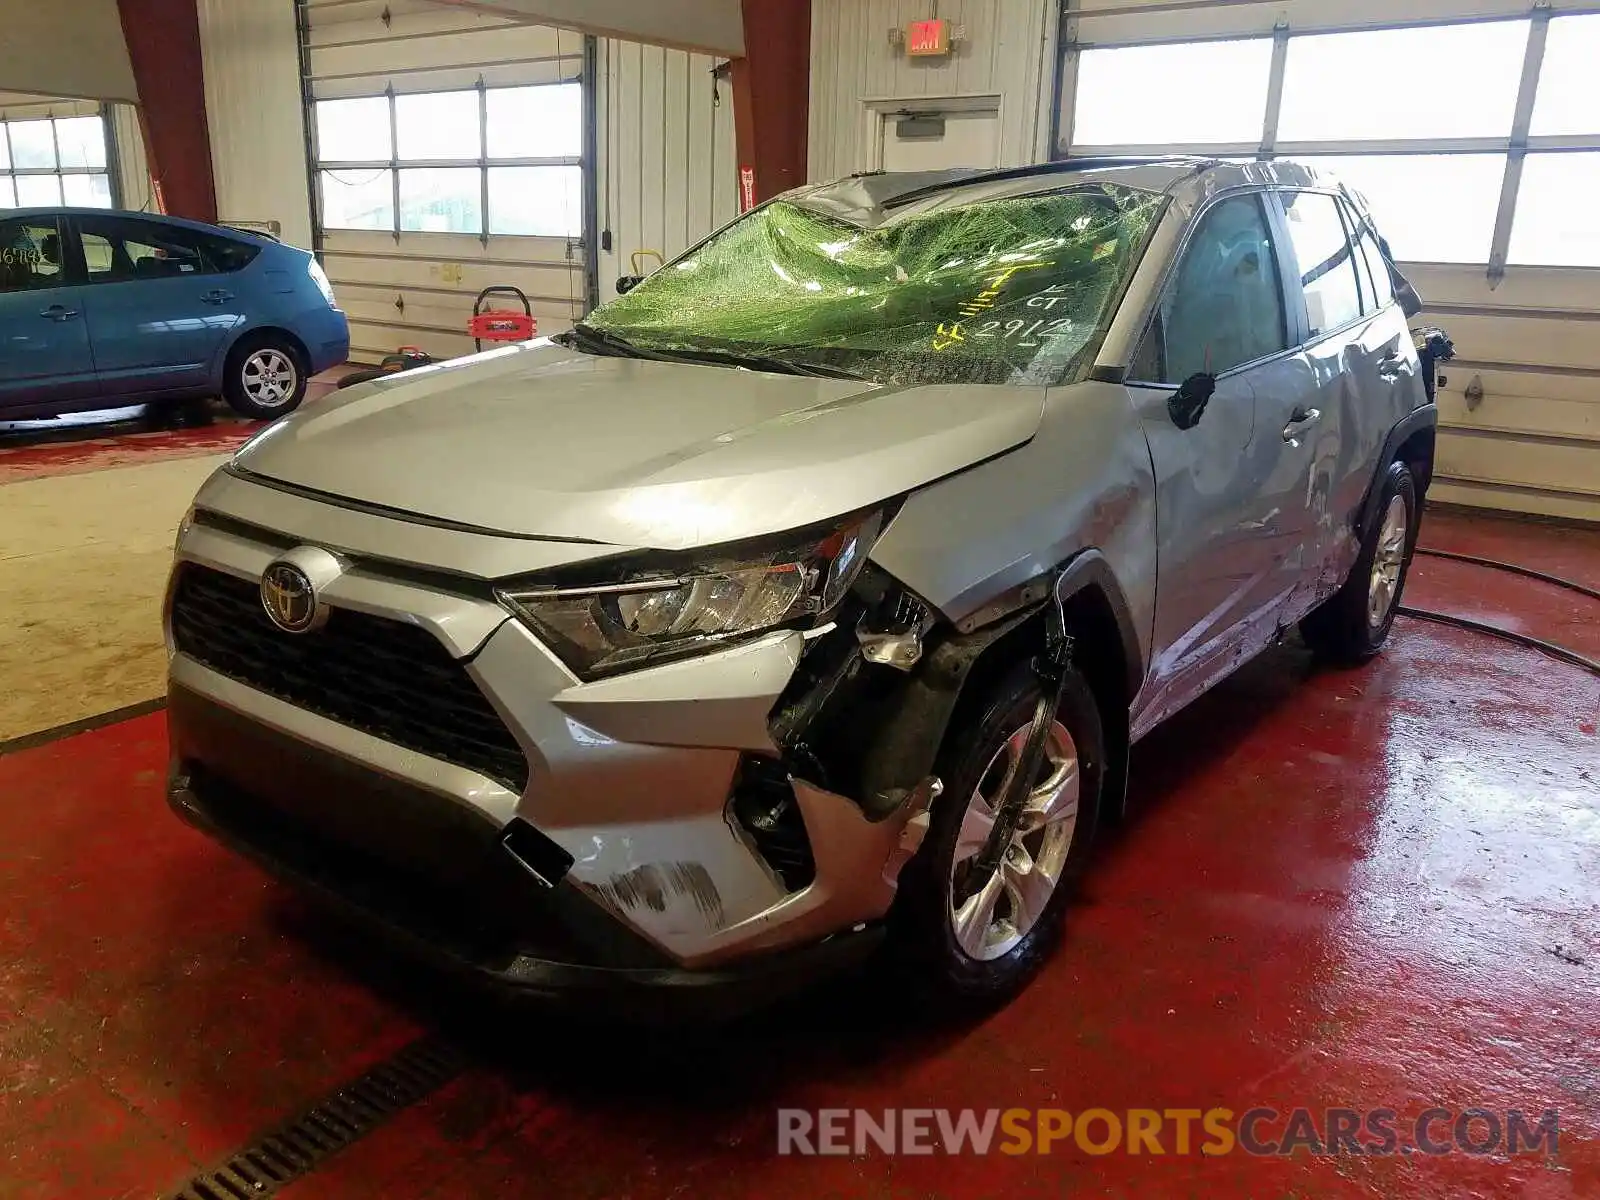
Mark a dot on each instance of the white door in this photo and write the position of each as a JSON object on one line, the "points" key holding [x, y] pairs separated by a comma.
{"points": [[969, 138]]}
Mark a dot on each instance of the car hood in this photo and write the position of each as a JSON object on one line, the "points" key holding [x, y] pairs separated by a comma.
{"points": [[537, 440]]}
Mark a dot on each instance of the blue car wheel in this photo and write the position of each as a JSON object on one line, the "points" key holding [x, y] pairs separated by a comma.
{"points": [[265, 377]]}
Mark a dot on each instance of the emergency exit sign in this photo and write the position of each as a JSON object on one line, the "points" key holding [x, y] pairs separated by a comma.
{"points": [[928, 38]]}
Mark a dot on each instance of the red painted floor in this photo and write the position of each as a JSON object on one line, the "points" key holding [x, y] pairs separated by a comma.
{"points": [[1368, 889], [126, 437]]}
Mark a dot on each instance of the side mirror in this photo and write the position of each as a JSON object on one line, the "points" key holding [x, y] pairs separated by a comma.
{"points": [[1186, 405], [626, 283]]}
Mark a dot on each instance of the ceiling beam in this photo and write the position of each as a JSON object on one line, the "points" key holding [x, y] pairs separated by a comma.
{"points": [[58, 49], [708, 26]]}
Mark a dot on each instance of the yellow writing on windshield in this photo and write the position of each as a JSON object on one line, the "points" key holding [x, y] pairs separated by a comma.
{"points": [[946, 336], [985, 299]]}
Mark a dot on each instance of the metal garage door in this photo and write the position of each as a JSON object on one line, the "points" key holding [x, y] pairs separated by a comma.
{"points": [[1473, 126], [449, 154]]}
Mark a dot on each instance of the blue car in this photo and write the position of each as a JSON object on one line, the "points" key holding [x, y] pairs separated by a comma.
{"points": [[100, 308]]}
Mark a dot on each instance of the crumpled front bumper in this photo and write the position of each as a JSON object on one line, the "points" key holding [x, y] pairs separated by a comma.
{"points": [[476, 914], [629, 777]]}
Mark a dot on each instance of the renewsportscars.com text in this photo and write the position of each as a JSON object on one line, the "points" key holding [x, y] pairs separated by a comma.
{"points": [[1212, 1131]]}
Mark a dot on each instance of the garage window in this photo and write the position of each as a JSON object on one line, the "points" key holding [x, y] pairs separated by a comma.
{"points": [[1569, 83], [1421, 118], [1430, 207], [480, 161], [1558, 221], [54, 161], [1475, 97], [1129, 96]]}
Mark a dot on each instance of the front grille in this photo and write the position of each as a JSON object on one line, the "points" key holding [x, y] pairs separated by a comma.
{"points": [[392, 680]]}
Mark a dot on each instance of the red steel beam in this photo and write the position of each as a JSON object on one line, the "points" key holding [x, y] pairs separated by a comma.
{"points": [[163, 39], [772, 95]]}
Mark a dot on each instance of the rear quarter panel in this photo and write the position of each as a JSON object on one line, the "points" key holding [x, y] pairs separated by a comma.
{"points": [[276, 291]]}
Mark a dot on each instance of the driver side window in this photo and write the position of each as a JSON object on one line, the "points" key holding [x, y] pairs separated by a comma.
{"points": [[1223, 307]]}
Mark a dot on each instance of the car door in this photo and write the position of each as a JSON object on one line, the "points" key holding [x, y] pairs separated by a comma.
{"points": [[45, 358], [1388, 384], [1226, 498], [159, 308], [1348, 344]]}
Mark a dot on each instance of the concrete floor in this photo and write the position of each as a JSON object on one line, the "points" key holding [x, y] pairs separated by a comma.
{"points": [[88, 508], [1370, 888]]}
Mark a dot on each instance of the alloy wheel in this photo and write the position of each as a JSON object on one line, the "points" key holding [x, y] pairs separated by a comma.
{"points": [[1387, 561], [989, 917], [269, 378]]}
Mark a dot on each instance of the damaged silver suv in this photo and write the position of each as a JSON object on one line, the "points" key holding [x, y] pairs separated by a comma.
{"points": [[811, 594]]}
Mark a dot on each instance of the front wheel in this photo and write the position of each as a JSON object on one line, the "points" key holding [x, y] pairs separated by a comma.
{"points": [[264, 378], [1352, 624], [980, 938]]}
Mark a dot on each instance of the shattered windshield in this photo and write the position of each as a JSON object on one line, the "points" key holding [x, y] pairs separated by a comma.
{"points": [[997, 291]]}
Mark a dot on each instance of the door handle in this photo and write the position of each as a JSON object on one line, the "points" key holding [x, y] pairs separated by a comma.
{"points": [[218, 296], [58, 312], [1300, 421]]}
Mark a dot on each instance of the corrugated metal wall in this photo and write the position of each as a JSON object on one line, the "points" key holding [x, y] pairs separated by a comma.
{"points": [[249, 52], [857, 73], [133, 168], [418, 288], [1532, 441], [668, 174]]}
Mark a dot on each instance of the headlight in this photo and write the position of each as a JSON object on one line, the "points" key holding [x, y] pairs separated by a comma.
{"points": [[183, 530], [650, 612]]}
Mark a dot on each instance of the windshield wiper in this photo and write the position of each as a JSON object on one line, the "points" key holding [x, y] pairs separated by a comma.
{"points": [[600, 341]]}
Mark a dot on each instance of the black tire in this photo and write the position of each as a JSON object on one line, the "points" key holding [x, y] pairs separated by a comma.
{"points": [[258, 357], [920, 923], [1343, 628], [365, 375]]}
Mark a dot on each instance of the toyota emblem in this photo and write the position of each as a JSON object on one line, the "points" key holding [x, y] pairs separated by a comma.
{"points": [[290, 598]]}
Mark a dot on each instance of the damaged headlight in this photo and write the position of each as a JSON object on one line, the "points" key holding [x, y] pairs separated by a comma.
{"points": [[655, 610]]}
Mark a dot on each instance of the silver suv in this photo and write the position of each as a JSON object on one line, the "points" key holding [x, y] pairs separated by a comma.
{"points": [[810, 596]]}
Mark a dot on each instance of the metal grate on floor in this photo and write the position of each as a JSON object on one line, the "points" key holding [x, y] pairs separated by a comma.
{"points": [[296, 1148]]}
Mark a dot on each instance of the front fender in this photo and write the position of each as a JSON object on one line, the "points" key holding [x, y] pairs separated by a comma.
{"points": [[912, 726], [1090, 571], [983, 543]]}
